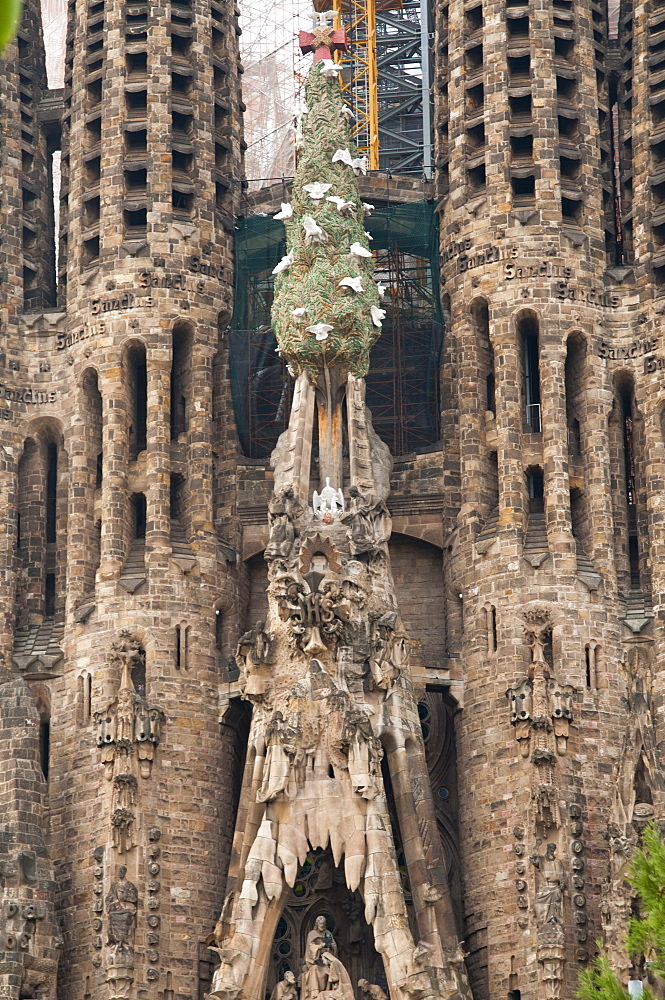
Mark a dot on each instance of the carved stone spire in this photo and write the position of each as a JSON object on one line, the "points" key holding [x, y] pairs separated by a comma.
{"points": [[327, 672]]}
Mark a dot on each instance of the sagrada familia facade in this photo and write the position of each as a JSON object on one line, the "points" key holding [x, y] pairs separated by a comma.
{"points": [[334, 723]]}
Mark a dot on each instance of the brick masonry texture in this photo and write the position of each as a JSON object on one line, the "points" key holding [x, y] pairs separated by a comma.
{"points": [[129, 515]]}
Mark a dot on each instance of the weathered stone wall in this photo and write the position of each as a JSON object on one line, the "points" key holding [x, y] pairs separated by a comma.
{"points": [[152, 147], [529, 246]]}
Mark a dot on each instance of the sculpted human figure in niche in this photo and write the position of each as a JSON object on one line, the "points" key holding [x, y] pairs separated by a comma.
{"points": [[121, 906], [369, 523], [322, 971], [283, 510], [548, 906]]}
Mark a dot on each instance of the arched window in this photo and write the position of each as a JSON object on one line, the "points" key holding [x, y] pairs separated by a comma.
{"points": [[139, 514], [528, 338], [576, 349], [136, 380], [219, 638], [41, 525], [536, 489], [138, 675], [626, 450], [480, 317], [181, 646], [181, 372], [492, 635]]}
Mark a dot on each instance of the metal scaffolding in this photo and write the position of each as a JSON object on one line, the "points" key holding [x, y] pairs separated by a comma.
{"points": [[403, 380], [386, 80]]}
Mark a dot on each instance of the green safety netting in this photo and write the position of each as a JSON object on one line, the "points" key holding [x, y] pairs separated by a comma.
{"points": [[402, 385]]}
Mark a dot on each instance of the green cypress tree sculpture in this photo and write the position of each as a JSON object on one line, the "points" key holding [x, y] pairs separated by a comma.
{"points": [[326, 311]]}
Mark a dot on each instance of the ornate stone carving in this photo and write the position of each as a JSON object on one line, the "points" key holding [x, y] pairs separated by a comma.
{"points": [[283, 513], [252, 654], [370, 991], [121, 909], [541, 712], [548, 911], [322, 971], [338, 687], [121, 906], [369, 523], [127, 733], [286, 989]]}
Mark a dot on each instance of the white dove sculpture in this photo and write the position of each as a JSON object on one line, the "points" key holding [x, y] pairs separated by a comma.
{"points": [[329, 69], [299, 314], [368, 208], [283, 264], [316, 191], [286, 211], [359, 165], [343, 207], [342, 156], [328, 503], [313, 232], [381, 289], [320, 330], [377, 315], [357, 250], [355, 284]]}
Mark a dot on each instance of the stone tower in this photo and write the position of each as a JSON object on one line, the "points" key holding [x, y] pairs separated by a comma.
{"points": [[218, 764], [552, 285]]}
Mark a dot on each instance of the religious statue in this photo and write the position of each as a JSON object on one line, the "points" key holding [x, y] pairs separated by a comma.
{"points": [[286, 988], [121, 906], [283, 510], [548, 906], [282, 745], [322, 971], [548, 910], [370, 991], [369, 523]]}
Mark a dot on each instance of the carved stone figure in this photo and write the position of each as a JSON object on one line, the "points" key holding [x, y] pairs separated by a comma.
{"points": [[252, 653], [282, 742], [286, 988], [364, 754], [128, 731], [121, 906], [283, 512], [389, 650], [369, 523], [322, 972], [548, 911], [370, 991], [548, 907]]}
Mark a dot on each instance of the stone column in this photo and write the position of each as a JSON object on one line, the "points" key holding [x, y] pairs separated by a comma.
{"points": [[509, 420], [8, 510], [596, 452], [200, 449], [79, 503], [427, 875], [555, 457], [158, 467], [114, 482]]}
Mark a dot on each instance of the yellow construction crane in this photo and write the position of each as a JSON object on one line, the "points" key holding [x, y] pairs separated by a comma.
{"points": [[360, 89]]}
